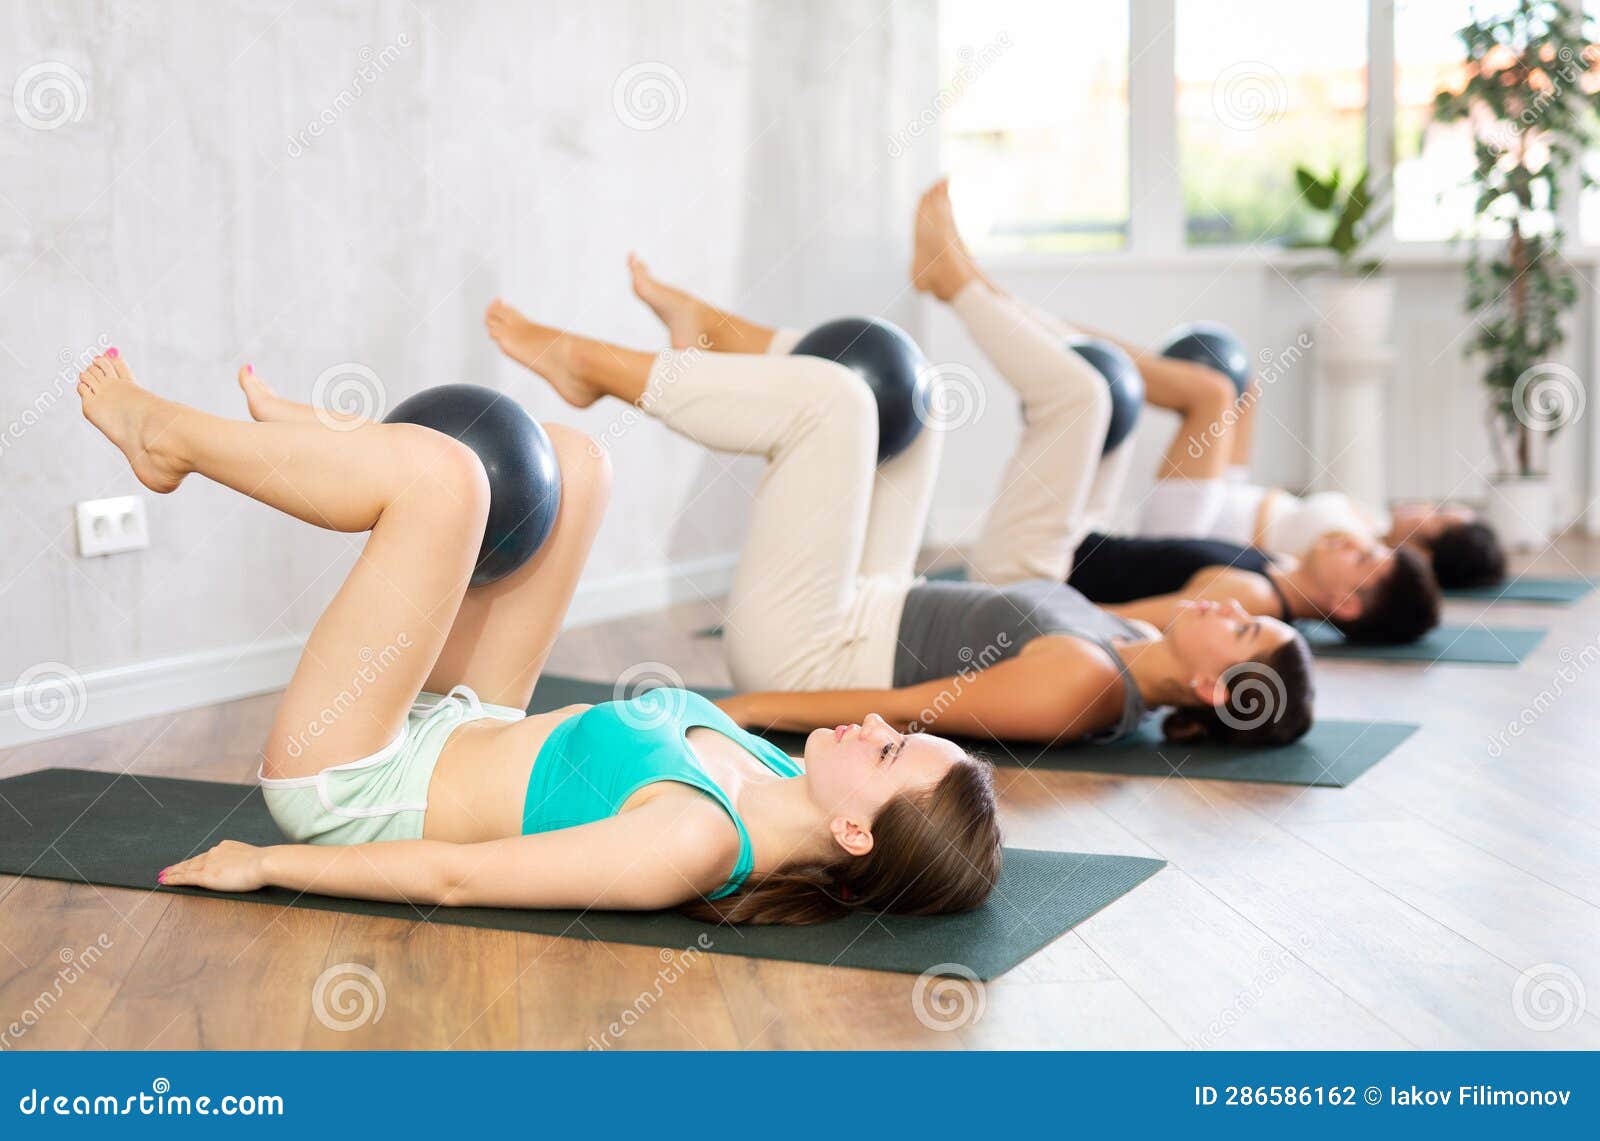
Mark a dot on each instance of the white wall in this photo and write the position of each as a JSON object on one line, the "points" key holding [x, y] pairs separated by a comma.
{"points": [[176, 219]]}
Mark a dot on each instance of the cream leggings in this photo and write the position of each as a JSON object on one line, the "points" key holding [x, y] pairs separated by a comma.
{"points": [[833, 537]]}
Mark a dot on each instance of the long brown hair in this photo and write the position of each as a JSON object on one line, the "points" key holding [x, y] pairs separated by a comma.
{"points": [[933, 852]]}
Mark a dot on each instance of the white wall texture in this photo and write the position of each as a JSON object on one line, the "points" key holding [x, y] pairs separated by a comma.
{"points": [[185, 215]]}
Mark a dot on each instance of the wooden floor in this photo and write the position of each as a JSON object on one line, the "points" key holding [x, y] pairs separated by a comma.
{"points": [[1449, 899]]}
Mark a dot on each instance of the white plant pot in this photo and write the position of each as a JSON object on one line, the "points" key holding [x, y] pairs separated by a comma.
{"points": [[1353, 360], [1354, 314], [1521, 509]]}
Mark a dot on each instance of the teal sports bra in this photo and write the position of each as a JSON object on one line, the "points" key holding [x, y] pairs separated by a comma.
{"points": [[590, 764]]}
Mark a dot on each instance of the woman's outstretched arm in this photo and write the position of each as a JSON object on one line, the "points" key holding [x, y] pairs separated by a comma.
{"points": [[666, 852], [1022, 699]]}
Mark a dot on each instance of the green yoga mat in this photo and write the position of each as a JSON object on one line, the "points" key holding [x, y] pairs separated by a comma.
{"points": [[1332, 754], [1559, 591], [1465, 645], [120, 831]]}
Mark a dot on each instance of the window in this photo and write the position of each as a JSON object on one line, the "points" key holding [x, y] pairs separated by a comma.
{"points": [[1033, 119], [1589, 199], [1263, 86], [1434, 196]]}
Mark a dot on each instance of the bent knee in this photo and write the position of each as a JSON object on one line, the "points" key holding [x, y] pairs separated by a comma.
{"points": [[1207, 391], [839, 399], [442, 470]]}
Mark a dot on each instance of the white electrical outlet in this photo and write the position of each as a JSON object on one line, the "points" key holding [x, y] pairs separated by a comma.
{"points": [[107, 526]]}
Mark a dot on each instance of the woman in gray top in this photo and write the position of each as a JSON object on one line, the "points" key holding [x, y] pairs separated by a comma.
{"points": [[827, 624]]}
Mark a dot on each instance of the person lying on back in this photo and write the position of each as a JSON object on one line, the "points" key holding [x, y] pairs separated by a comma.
{"points": [[1369, 592]]}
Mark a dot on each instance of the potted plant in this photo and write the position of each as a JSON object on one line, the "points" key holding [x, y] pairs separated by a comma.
{"points": [[1353, 303], [1521, 94]]}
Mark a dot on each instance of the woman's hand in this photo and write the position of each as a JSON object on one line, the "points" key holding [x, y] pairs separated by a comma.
{"points": [[230, 866]]}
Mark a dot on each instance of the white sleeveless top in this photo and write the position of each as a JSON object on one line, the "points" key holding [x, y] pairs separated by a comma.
{"points": [[1294, 523], [1236, 521]]}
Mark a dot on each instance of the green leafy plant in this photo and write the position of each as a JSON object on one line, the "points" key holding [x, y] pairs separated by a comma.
{"points": [[1350, 208], [1531, 120]]}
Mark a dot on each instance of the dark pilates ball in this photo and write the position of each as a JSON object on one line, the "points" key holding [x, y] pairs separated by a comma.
{"points": [[1213, 345], [889, 361], [524, 475], [1122, 378]]}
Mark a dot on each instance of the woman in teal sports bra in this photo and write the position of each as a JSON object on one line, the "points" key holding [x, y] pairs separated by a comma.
{"points": [[402, 764]]}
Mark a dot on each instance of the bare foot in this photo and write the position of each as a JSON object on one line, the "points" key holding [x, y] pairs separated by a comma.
{"points": [[940, 263], [267, 406], [134, 419], [549, 352], [686, 317]]}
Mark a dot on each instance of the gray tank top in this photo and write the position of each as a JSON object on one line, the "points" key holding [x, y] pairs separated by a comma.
{"points": [[949, 628]]}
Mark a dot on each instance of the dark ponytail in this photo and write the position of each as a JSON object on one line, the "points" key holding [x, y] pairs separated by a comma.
{"points": [[1268, 704], [934, 852]]}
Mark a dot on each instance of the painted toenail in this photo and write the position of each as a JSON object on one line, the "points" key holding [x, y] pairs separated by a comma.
{"points": [[250, 368], [112, 352]]}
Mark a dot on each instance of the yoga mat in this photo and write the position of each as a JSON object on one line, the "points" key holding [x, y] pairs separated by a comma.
{"points": [[1468, 645], [1332, 754], [120, 831], [1559, 591]]}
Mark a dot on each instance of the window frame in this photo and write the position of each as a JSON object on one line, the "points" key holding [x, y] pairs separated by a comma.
{"points": [[1156, 223]]}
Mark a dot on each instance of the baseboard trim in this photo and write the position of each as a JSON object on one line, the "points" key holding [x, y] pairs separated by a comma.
{"points": [[59, 701]]}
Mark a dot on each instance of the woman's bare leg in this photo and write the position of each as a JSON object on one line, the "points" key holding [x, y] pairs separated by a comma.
{"points": [[1202, 448], [503, 632], [422, 496], [1241, 434], [692, 322]]}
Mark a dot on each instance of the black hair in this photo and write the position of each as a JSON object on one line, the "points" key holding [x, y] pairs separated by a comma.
{"points": [[1268, 703], [1400, 607], [1467, 555]]}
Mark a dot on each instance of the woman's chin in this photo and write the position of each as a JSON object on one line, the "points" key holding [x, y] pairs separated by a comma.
{"points": [[816, 740]]}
